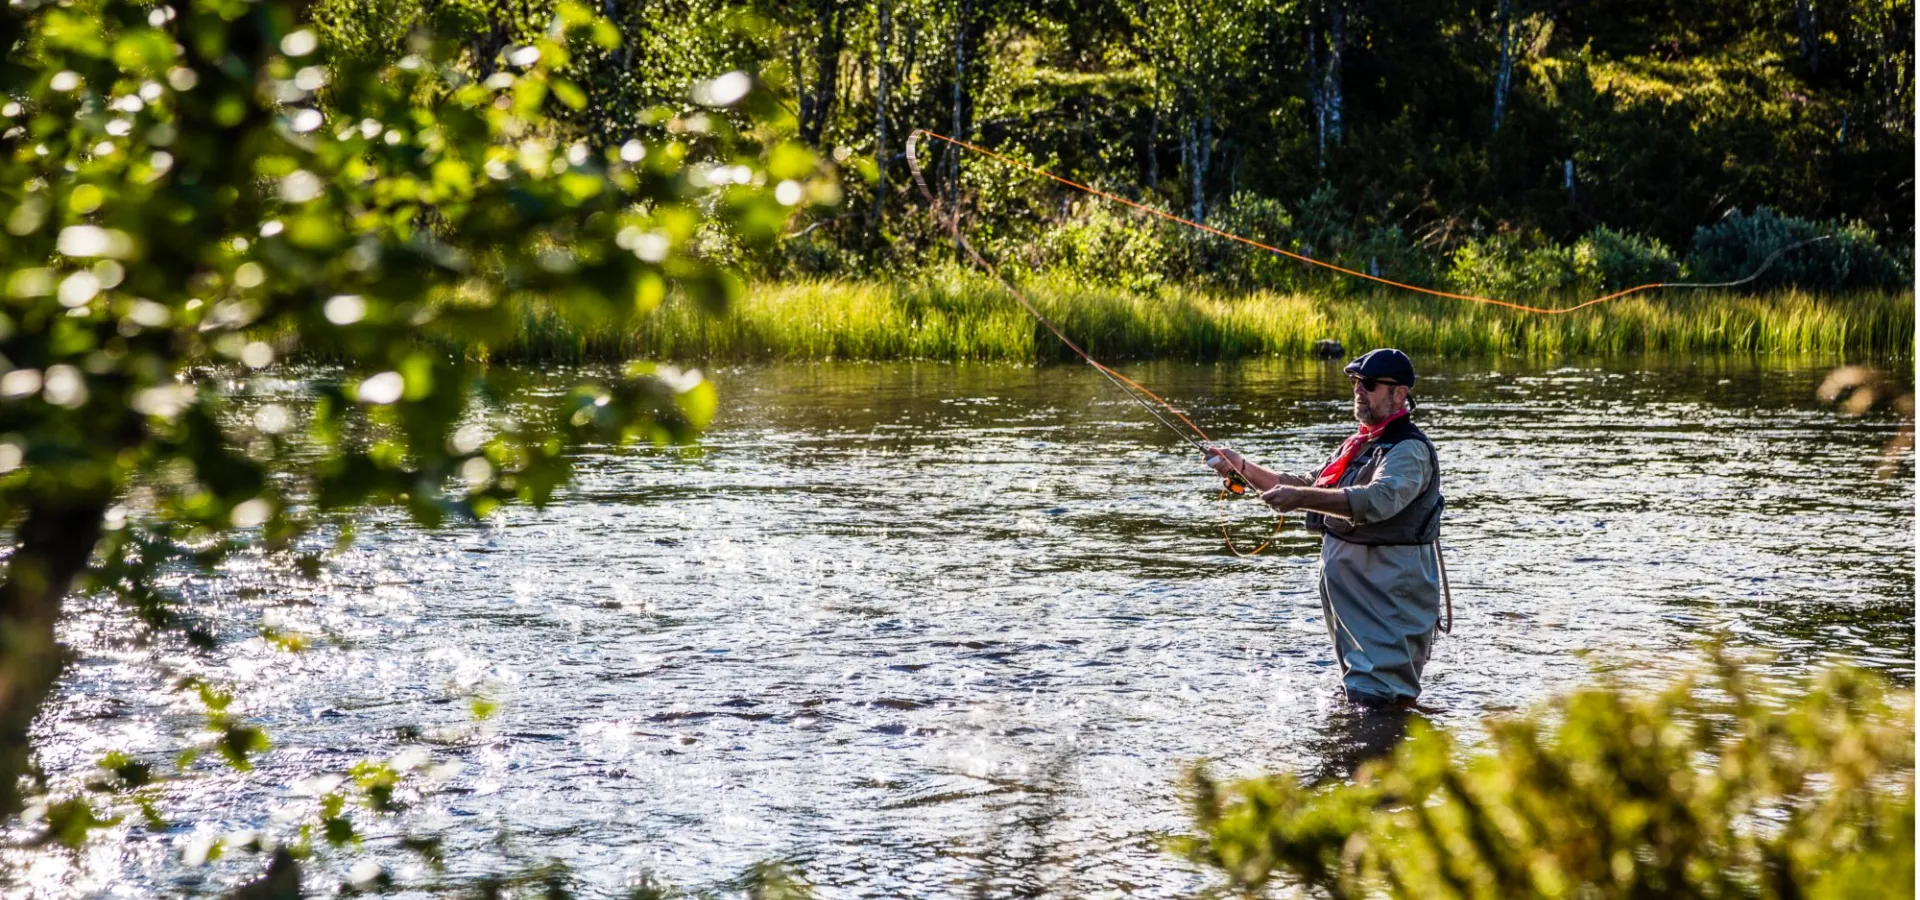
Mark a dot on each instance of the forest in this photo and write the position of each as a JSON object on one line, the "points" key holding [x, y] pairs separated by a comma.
{"points": [[1494, 146]]}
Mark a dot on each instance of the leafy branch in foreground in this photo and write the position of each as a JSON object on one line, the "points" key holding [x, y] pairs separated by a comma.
{"points": [[1712, 788], [173, 189]]}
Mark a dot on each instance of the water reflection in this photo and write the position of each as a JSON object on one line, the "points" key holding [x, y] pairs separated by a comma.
{"points": [[950, 630], [1353, 736]]}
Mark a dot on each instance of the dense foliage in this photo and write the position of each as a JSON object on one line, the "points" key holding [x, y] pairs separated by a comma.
{"points": [[1716, 787], [1386, 136], [173, 191]]}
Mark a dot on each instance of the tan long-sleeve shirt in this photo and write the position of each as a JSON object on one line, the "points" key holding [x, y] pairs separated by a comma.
{"points": [[1382, 603]]}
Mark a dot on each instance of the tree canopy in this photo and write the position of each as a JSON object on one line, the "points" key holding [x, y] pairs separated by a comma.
{"points": [[194, 191], [1443, 123]]}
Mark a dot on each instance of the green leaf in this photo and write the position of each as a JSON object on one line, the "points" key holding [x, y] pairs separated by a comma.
{"points": [[68, 823], [698, 404], [127, 771], [568, 93], [790, 160], [238, 743]]}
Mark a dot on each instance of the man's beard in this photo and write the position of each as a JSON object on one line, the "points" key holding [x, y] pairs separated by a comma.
{"points": [[1363, 412]]}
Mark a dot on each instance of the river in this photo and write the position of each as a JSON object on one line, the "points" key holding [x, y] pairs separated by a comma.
{"points": [[937, 630]]}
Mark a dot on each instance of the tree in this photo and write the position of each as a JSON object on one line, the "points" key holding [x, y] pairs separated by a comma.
{"points": [[1200, 52], [181, 207]]}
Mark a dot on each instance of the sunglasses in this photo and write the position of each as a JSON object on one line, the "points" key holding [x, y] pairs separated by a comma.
{"points": [[1371, 383]]}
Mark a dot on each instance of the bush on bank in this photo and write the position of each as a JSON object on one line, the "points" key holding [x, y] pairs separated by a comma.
{"points": [[1715, 787], [1845, 259], [1107, 244]]}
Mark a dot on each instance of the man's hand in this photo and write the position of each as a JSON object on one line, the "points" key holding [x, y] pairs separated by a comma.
{"points": [[1285, 498], [1226, 462], [1288, 497]]}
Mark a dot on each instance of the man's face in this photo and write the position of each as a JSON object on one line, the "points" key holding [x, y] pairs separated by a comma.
{"points": [[1375, 399]]}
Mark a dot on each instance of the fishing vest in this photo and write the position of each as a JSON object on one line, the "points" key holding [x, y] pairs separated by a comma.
{"points": [[1418, 523]]}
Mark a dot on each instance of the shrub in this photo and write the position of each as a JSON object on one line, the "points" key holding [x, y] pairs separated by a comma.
{"points": [[1738, 244], [1263, 219], [1105, 243], [1510, 265], [1618, 260], [1319, 231], [1709, 789], [1387, 251]]}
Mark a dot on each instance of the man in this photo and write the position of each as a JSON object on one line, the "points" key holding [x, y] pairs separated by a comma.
{"points": [[1377, 505]]}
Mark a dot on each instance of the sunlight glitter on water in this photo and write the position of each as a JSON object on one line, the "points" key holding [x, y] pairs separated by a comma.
{"points": [[926, 628]]}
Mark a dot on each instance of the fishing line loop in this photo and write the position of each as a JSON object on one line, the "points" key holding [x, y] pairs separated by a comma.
{"points": [[1236, 483], [1209, 229], [1159, 408]]}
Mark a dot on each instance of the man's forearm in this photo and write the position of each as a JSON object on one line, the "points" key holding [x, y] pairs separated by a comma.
{"points": [[1331, 501]]}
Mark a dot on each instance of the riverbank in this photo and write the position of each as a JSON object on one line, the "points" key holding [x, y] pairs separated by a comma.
{"points": [[960, 316]]}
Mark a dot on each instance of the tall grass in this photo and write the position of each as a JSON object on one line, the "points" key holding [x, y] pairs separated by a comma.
{"points": [[954, 315]]}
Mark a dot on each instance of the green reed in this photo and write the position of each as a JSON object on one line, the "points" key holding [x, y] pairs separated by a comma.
{"points": [[954, 315]]}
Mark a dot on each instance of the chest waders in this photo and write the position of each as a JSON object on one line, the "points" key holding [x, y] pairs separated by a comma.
{"points": [[1416, 525]]}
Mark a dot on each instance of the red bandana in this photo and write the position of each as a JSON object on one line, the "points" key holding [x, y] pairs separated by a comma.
{"points": [[1337, 466]]}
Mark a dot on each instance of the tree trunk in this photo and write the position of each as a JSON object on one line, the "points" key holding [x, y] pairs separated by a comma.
{"points": [[1186, 147], [800, 84], [1201, 129], [1316, 100], [908, 65], [1195, 163], [1809, 23], [1232, 152], [1503, 75], [880, 110], [962, 23], [818, 111], [627, 40], [51, 549], [1153, 141], [1336, 49]]}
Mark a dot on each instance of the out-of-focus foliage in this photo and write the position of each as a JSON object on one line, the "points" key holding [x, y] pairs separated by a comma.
{"points": [[1858, 390], [1716, 787], [196, 190]]}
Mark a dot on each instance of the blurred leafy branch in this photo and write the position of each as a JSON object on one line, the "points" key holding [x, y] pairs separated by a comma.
{"points": [[1718, 786], [1857, 390], [192, 191]]}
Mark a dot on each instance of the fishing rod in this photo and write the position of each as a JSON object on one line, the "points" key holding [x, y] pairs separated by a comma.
{"points": [[1236, 482]]}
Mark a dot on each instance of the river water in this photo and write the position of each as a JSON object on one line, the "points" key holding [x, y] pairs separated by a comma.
{"points": [[940, 630]]}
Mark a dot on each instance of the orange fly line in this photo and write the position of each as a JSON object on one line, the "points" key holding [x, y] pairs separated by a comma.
{"points": [[1139, 392]]}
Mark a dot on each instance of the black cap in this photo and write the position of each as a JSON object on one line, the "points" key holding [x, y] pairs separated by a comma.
{"points": [[1385, 363]]}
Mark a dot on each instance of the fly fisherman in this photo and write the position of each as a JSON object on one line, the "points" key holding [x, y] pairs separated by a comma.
{"points": [[1377, 506]]}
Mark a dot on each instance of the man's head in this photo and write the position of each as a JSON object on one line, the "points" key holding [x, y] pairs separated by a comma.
{"points": [[1381, 381]]}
